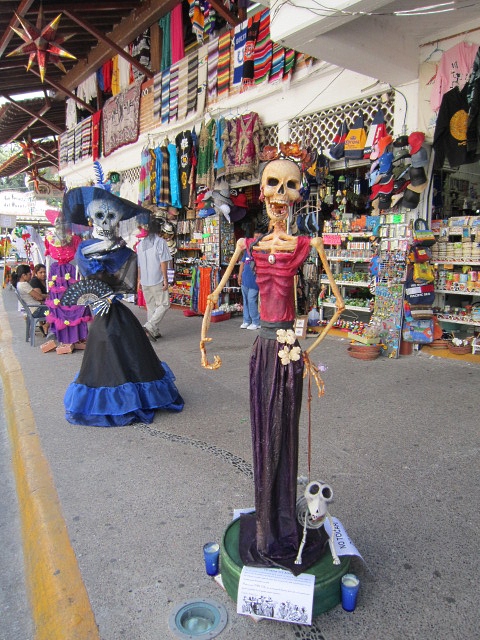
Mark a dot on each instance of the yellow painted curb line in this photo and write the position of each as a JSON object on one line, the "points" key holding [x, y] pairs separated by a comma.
{"points": [[59, 601]]}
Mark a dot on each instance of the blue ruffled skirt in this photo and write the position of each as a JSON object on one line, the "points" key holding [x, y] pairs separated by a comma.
{"points": [[121, 380]]}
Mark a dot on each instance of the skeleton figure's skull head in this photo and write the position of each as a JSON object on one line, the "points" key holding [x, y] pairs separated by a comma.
{"points": [[105, 217], [281, 181]]}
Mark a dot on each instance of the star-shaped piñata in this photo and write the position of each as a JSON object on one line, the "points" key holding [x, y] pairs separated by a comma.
{"points": [[41, 42]]}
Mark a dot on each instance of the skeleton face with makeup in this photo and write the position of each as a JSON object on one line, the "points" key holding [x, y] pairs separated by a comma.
{"points": [[281, 181], [105, 218]]}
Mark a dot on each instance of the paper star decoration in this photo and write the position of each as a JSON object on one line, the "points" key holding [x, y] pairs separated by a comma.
{"points": [[41, 42], [29, 150]]}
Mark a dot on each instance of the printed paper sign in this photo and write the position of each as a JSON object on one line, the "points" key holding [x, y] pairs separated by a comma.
{"points": [[276, 594], [343, 545]]}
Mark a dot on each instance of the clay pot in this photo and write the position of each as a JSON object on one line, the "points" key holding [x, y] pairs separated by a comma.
{"points": [[368, 352], [461, 350], [364, 348]]}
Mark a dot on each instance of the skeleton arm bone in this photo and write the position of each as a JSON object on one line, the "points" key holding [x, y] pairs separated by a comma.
{"points": [[317, 243], [212, 301]]}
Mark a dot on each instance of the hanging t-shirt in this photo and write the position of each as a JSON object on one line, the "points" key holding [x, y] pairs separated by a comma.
{"points": [[450, 140], [183, 142], [174, 177], [453, 71]]}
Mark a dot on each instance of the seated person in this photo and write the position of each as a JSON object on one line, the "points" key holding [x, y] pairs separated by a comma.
{"points": [[39, 279], [31, 296]]}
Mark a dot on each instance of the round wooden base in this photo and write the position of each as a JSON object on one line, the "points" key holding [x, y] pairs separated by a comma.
{"points": [[327, 592]]}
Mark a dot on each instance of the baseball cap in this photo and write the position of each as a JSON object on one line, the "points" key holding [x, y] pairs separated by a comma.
{"points": [[415, 140], [420, 159], [401, 141], [417, 176], [410, 199]]}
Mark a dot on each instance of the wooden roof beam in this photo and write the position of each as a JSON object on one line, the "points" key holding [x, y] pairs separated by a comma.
{"points": [[140, 19], [224, 12], [22, 9], [35, 116], [102, 38], [61, 89]]}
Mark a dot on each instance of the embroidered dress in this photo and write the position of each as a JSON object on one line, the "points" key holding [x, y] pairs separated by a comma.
{"points": [[206, 154], [246, 141]]}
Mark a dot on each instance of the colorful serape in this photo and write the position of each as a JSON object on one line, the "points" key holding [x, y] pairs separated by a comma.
{"points": [[182, 88], [202, 78], [239, 41], [96, 122], [157, 96], [212, 69], [192, 83], [289, 63], [165, 95], [278, 61], [197, 19], [62, 150], [78, 142], [173, 92], [86, 150], [71, 145], [223, 74], [263, 49]]}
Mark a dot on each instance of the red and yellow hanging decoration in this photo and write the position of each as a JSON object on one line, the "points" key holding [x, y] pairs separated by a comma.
{"points": [[41, 42]]}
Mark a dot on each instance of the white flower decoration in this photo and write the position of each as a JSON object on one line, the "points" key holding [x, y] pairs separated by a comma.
{"points": [[288, 354], [290, 337], [284, 355], [295, 353], [286, 336]]}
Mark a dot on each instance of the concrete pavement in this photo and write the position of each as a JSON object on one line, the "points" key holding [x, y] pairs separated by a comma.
{"points": [[133, 506]]}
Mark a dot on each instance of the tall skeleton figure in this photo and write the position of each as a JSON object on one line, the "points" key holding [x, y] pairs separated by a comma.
{"points": [[277, 365]]}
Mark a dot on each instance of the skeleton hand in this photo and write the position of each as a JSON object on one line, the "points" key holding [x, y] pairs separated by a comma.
{"points": [[217, 363], [311, 369]]}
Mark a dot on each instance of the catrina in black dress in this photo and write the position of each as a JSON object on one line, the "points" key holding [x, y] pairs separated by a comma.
{"points": [[121, 380]]}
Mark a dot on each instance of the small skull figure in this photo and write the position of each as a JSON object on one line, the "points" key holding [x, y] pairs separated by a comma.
{"points": [[281, 181], [105, 218]]}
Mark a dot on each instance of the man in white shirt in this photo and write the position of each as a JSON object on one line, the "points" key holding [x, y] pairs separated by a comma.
{"points": [[153, 258]]}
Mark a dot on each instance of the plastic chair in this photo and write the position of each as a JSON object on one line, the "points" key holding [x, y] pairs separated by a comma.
{"points": [[31, 321]]}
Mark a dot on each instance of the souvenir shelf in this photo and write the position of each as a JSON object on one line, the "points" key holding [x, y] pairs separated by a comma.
{"points": [[456, 257], [349, 254], [188, 254]]}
